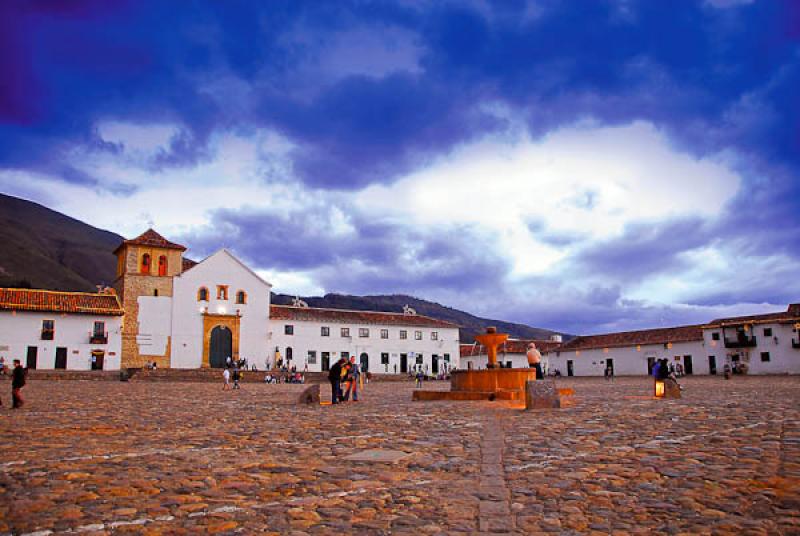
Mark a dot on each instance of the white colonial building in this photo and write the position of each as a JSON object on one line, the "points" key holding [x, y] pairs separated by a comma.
{"points": [[60, 330], [630, 353], [396, 343], [758, 344]]}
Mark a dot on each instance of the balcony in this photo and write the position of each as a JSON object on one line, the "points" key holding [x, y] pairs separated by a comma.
{"points": [[742, 341], [48, 334], [98, 338]]}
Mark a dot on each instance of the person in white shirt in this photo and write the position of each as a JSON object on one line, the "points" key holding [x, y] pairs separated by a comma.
{"points": [[535, 360], [226, 377]]}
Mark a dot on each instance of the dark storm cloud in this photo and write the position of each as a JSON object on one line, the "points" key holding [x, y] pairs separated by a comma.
{"points": [[643, 250], [370, 255], [712, 79]]}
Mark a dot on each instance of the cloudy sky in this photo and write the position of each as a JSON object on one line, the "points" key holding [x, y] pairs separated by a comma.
{"points": [[582, 166]]}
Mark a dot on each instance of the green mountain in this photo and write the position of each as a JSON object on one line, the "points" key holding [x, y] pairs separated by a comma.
{"points": [[41, 248], [471, 325]]}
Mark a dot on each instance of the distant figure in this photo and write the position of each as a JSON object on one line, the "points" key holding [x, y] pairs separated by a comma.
{"points": [[353, 377], [609, 374], [335, 377], [2, 366], [418, 379], [654, 371], [17, 383], [228, 361], [236, 377], [155, 365], [226, 379], [726, 371], [535, 360]]}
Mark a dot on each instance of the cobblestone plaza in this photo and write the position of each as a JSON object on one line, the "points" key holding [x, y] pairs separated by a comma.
{"points": [[186, 458]]}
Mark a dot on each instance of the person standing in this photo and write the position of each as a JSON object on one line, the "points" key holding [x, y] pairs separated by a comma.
{"points": [[335, 376], [226, 378], [236, 377], [354, 375], [535, 360], [17, 383]]}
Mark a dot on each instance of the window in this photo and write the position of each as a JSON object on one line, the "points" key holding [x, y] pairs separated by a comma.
{"points": [[48, 329], [241, 297], [99, 328], [363, 332], [419, 359], [384, 334], [447, 357], [202, 294], [418, 335], [162, 265], [145, 263], [325, 331], [345, 332], [403, 334], [384, 358], [768, 332], [434, 335], [222, 292], [312, 357], [715, 336], [346, 355], [288, 353], [765, 357], [288, 329]]}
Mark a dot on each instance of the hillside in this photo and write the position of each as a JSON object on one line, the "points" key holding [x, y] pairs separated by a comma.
{"points": [[42, 248], [470, 324]]}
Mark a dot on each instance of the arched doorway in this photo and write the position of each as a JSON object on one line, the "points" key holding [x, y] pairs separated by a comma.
{"points": [[221, 346], [364, 358]]}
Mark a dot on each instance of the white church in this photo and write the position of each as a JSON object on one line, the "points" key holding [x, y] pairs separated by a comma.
{"points": [[175, 313]]}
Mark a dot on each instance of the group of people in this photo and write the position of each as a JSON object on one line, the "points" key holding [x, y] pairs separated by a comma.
{"points": [[662, 371], [19, 376], [345, 377], [291, 377]]}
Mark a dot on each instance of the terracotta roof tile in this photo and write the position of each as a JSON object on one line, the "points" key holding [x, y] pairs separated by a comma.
{"points": [[315, 314], [511, 346], [791, 314], [632, 338], [23, 299], [151, 238], [187, 264]]}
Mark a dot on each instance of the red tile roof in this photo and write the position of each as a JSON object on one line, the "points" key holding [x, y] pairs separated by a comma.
{"points": [[632, 338], [791, 314], [153, 239], [511, 346], [187, 264], [315, 314], [23, 299]]}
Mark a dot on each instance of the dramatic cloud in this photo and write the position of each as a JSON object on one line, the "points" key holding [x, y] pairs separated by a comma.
{"points": [[577, 165]]}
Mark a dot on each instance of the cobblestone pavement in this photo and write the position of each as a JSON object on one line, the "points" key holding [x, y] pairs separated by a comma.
{"points": [[181, 458]]}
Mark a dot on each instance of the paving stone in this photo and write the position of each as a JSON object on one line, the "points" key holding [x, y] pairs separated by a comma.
{"points": [[188, 458]]}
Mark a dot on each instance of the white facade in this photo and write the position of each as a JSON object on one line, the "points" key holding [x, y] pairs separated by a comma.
{"points": [[764, 348], [21, 338], [434, 349], [187, 318], [632, 360], [508, 360]]}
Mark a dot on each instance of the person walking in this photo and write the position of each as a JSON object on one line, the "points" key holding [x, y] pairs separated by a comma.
{"points": [[335, 376], [17, 383], [226, 379], [236, 377]]}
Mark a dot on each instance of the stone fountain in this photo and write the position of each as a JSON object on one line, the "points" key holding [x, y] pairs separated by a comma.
{"points": [[493, 383]]}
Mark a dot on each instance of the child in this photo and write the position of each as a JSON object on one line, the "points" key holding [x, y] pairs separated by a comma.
{"points": [[226, 378]]}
